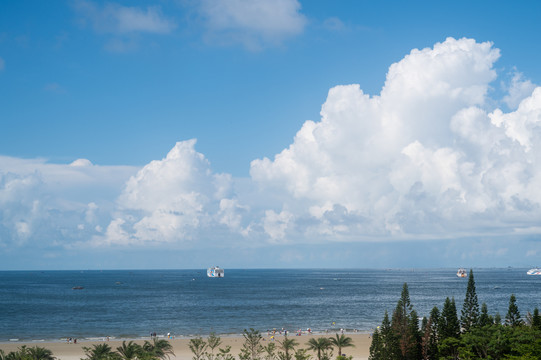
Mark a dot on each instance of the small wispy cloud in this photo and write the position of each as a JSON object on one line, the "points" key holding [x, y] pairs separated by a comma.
{"points": [[254, 24], [334, 24], [54, 88], [122, 23], [118, 19]]}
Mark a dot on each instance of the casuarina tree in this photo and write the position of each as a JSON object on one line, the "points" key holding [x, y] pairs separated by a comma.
{"points": [[404, 326], [513, 315], [470, 309], [448, 322]]}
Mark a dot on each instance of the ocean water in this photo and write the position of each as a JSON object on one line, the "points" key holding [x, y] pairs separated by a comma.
{"points": [[41, 305]]}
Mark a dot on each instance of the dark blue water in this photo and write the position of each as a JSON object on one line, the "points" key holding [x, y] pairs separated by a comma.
{"points": [[131, 304]]}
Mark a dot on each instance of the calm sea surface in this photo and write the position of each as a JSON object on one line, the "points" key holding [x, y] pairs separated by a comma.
{"points": [[38, 305]]}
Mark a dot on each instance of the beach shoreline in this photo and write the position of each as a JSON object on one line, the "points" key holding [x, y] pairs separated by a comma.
{"points": [[63, 350]]}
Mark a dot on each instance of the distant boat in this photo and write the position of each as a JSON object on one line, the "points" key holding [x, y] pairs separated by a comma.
{"points": [[534, 271], [215, 271], [77, 288], [461, 273]]}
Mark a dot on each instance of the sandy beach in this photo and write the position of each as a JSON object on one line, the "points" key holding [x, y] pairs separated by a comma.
{"points": [[66, 351]]}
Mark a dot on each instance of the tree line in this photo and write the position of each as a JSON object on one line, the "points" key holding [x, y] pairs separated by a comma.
{"points": [[204, 349], [443, 335], [156, 350], [285, 349]]}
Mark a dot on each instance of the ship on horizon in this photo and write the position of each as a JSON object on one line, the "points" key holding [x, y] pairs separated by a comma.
{"points": [[215, 271]]}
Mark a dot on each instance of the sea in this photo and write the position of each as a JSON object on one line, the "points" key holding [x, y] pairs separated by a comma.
{"points": [[132, 304]]}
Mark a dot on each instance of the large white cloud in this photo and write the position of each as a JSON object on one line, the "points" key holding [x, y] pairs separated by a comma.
{"points": [[426, 157], [171, 200], [429, 157]]}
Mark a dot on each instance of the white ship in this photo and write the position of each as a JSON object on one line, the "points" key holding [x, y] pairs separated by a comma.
{"points": [[534, 271], [461, 273], [215, 271]]}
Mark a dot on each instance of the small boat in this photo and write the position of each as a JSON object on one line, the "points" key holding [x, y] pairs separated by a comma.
{"points": [[77, 288], [461, 273], [534, 271], [215, 271]]}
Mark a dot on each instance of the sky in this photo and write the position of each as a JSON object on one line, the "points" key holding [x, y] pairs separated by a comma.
{"points": [[180, 134]]}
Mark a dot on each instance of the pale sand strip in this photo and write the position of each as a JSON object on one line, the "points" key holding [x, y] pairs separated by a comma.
{"points": [[65, 351]]}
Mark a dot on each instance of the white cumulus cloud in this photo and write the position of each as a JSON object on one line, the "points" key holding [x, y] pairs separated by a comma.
{"points": [[425, 157], [428, 157], [169, 200], [518, 90], [41, 201]]}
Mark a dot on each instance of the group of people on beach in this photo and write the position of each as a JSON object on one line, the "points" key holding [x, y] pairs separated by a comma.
{"points": [[272, 333], [70, 340], [153, 335]]}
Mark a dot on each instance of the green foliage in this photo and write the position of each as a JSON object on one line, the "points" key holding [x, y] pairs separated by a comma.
{"points": [[497, 319], [448, 348], [536, 319], [320, 346], [302, 354], [342, 341], [513, 315], [484, 319], [405, 325], [225, 354], [252, 348], [448, 325], [440, 337], [429, 340], [198, 346], [287, 346], [129, 351], [100, 352], [390, 345], [28, 353], [470, 309], [158, 349], [269, 351], [376, 347], [213, 342]]}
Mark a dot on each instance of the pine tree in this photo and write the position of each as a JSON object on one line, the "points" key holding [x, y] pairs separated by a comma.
{"points": [[448, 323], [536, 319], [415, 352], [376, 347], [252, 348], [388, 339], [424, 324], [449, 334], [484, 319], [513, 315], [470, 309], [497, 319], [402, 326], [433, 322]]}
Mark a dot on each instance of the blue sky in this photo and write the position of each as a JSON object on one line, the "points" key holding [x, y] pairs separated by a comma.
{"points": [[183, 134]]}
